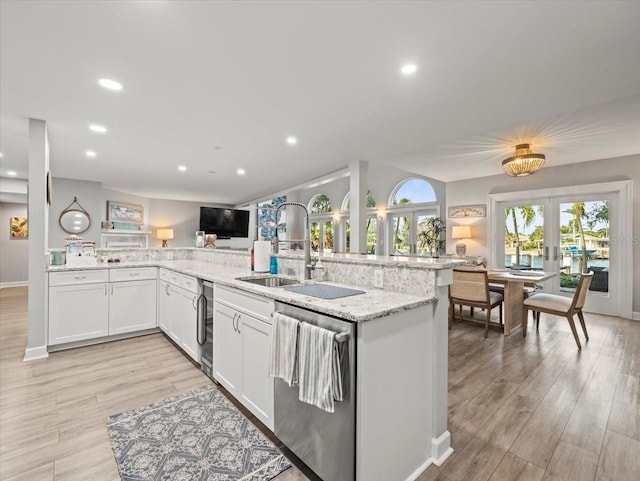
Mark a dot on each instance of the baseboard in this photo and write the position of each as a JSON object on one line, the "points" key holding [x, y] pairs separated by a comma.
{"points": [[441, 448], [33, 353], [636, 316], [14, 284], [418, 472]]}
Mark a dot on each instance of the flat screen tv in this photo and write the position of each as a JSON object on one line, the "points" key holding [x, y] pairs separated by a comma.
{"points": [[224, 222]]}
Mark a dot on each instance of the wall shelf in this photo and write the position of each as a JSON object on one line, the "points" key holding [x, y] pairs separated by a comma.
{"points": [[124, 238]]}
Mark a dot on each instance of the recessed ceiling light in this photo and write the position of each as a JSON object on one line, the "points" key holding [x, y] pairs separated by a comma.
{"points": [[90, 153], [409, 69], [98, 128], [110, 84], [241, 172], [182, 168], [12, 173], [217, 147], [291, 140]]}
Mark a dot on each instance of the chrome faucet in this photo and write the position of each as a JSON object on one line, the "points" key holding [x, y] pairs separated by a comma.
{"points": [[275, 242]]}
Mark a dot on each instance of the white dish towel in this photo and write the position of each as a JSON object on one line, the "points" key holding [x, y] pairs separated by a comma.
{"points": [[283, 360], [319, 367]]}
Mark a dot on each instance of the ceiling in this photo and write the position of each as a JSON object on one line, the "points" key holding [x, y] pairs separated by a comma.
{"points": [[217, 86]]}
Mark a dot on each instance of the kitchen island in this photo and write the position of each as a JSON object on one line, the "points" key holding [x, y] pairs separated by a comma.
{"points": [[401, 348]]}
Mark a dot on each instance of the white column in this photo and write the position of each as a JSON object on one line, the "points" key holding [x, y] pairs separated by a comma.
{"points": [[358, 210], [38, 239]]}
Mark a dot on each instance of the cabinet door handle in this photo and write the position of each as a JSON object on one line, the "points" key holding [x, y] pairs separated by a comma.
{"points": [[111, 289], [193, 303], [166, 289], [546, 253], [555, 253], [233, 323], [238, 323], [80, 277], [134, 274], [105, 289]]}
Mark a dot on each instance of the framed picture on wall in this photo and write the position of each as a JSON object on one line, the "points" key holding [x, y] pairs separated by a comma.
{"points": [[123, 212], [456, 211], [19, 228]]}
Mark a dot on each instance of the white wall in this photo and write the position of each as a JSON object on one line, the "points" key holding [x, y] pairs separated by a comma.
{"points": [[89, 197], [476, 191], [14, 253], [182, 216]]}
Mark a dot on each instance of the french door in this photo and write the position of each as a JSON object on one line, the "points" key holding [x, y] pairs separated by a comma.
{"points": [[404, 232], [567, 233]]}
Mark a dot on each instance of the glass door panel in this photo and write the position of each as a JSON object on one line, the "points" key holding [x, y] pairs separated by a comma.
{"points": [[327, 236], [584, 244], [372, 234], [523, 237], [401, 235]]}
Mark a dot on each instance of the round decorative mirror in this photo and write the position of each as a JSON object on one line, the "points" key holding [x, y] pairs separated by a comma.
{"points": [[74, 219]]}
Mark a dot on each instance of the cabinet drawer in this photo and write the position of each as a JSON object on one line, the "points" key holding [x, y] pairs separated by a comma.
{"points": [[78, 277], [181, 280], [251, 304], [167, 275], [189, 283], [132, 274]]}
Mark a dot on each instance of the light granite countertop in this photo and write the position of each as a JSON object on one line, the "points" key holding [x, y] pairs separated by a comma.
{"points": [[373, 304], [416, 262]]}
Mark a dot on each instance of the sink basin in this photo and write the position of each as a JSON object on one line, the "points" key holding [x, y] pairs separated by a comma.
{"points": [[270, 281]]}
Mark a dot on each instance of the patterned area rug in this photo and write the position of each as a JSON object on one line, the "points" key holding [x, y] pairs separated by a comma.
{"points": [[195, 436]]}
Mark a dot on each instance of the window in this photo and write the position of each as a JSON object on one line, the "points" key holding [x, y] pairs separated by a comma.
{"points": [[413, 191], [411, 206], [372, 223], [321, 220]]}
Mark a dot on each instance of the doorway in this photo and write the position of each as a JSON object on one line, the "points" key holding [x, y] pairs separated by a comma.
{"points": [[569, 231]]}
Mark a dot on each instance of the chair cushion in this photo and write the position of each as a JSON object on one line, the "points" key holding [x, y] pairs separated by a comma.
{"points": [[549, 301], [495, 297]]}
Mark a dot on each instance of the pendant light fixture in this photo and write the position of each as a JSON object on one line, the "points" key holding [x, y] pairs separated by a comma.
{"points": [[524, 162]]}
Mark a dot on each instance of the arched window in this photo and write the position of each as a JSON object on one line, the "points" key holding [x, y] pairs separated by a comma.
{"points": [[412, 191], [371, 201], [320, 204], [411, 205], [321, 220]]}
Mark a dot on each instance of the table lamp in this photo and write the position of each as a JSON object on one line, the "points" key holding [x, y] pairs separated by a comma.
{"points": [[164, 235], [461, 232]]}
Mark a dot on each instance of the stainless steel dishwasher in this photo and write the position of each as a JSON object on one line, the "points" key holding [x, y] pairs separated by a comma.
{"points": [[323, 441]]}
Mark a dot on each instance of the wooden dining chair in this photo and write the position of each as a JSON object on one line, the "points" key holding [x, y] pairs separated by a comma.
{"points": [[560, 306], [470, 287]]}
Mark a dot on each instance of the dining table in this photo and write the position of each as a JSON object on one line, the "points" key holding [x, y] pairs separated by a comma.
{"points": [[514, 283]]}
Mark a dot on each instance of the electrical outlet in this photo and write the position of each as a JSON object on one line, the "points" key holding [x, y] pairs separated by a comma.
{"points": [[170, 255], [378, 278]]}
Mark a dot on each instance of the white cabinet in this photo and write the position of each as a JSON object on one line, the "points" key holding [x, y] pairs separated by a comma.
{"points": [[257, 386], [226, 348], [132, 299], [132, 306], [178, 312], [241, 343], [84, 305], [78, 312]]}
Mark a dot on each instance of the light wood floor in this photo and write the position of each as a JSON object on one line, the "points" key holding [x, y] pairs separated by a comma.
{"points": [[519, 409]]}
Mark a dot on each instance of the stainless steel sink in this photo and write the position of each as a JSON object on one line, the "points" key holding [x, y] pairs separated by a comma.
{"points": [[270, 281]]}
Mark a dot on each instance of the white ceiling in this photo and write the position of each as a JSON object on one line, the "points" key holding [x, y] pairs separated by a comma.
{"points": [[244, 75]]}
